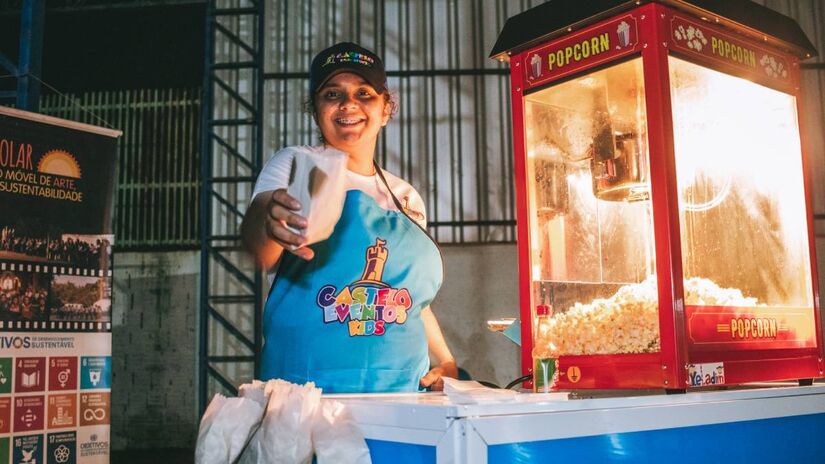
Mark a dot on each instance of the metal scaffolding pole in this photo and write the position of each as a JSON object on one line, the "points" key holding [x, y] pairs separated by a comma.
{"points": [[30, 59], [231, 287]]}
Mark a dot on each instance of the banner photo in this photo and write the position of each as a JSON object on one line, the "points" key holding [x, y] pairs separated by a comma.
{"points": [[56, 191]]}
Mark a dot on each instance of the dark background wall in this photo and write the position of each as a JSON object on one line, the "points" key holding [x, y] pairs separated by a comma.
{"points": [[115, 48]]}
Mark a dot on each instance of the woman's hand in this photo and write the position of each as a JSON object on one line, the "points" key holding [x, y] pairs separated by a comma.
{"points": [[434, 380], [438, 348], [281, 212]]}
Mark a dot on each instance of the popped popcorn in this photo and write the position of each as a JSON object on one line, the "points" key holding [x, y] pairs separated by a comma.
{"points": [[627, 322]]}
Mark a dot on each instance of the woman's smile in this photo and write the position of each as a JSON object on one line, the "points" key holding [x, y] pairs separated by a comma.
{"points": [[349, 121]]}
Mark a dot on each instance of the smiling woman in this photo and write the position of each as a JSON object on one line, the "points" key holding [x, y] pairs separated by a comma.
{"points": [[350, 313]]}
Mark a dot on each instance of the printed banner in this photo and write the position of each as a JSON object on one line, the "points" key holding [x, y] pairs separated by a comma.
{"points": [[56, 190], [590, 47], [750, 328]]}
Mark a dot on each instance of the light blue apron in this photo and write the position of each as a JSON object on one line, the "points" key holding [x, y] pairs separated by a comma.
{"points": [[350, 318]]}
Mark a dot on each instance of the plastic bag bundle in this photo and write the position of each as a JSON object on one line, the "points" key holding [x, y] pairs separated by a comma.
{"points": [[225, 429], [317, 181]]}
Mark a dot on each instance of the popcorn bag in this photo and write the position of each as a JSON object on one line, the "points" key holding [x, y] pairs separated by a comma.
{"points": [[255, 391], [336, 437], [225, 428], [285, 432], [316, 180]]}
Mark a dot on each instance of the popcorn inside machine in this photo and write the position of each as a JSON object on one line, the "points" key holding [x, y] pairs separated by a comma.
{"points": [[663, 207]]}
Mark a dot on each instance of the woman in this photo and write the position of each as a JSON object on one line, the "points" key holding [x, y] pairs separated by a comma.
{"points": [[350, 313]]}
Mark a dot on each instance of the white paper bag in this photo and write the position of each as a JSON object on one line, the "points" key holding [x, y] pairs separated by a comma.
{"points": [[255, 391], [225, 429], [296, 423], [336, 437], [285, 434], [317, 181]]}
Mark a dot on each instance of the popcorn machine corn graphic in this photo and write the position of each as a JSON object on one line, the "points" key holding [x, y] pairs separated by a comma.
{"points": [[663, 195]]}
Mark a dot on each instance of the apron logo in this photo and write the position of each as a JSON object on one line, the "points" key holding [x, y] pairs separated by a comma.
{"points": [[376, 259], [366, 306]]}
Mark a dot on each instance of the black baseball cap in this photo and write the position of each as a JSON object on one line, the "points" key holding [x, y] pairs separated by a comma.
{"points": [[347, 57]]}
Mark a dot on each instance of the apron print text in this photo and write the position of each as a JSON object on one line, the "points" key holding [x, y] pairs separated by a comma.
{"points": [[366, 306]]}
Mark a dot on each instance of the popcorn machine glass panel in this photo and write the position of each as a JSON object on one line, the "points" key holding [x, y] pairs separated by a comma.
{"points": [[741, 191], [590, 216]]}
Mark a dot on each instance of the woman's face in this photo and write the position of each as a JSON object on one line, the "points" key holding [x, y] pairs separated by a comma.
{"points": [[350, 113]]}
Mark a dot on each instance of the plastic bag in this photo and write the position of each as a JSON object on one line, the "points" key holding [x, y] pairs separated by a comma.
{"points": [[225, 429], [336, 437]]}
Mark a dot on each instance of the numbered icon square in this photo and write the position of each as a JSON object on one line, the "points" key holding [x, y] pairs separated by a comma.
{"points": [[62, 411], [28, 448], [4, 450], [61, 448], [29, 375], [5, 415], [94, 408], [63, 373], [95, 372], [5, 375], [28, 413]]}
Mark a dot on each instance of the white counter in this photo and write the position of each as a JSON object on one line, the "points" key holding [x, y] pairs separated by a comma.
{"points": [[773, 424]]}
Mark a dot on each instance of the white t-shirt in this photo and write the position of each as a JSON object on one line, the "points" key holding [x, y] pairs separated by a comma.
{"points": [[275, 175]]}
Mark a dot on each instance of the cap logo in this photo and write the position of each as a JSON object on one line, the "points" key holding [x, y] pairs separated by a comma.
{"points": [[349, 57]]}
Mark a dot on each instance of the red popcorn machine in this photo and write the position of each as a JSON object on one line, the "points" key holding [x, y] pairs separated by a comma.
{"points": [[664, 219]]}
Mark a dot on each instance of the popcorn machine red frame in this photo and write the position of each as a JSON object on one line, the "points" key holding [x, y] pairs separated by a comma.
{"points": [[676, 47]]}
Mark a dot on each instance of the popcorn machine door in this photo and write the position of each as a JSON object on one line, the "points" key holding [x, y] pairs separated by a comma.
{"points": [[742, 209], [591, 224]]}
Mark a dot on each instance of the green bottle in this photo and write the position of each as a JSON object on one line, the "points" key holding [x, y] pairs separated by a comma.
{"points": [[544, 367]]}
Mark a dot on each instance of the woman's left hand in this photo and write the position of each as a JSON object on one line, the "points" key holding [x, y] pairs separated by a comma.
{"points": [[434, 379]]}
